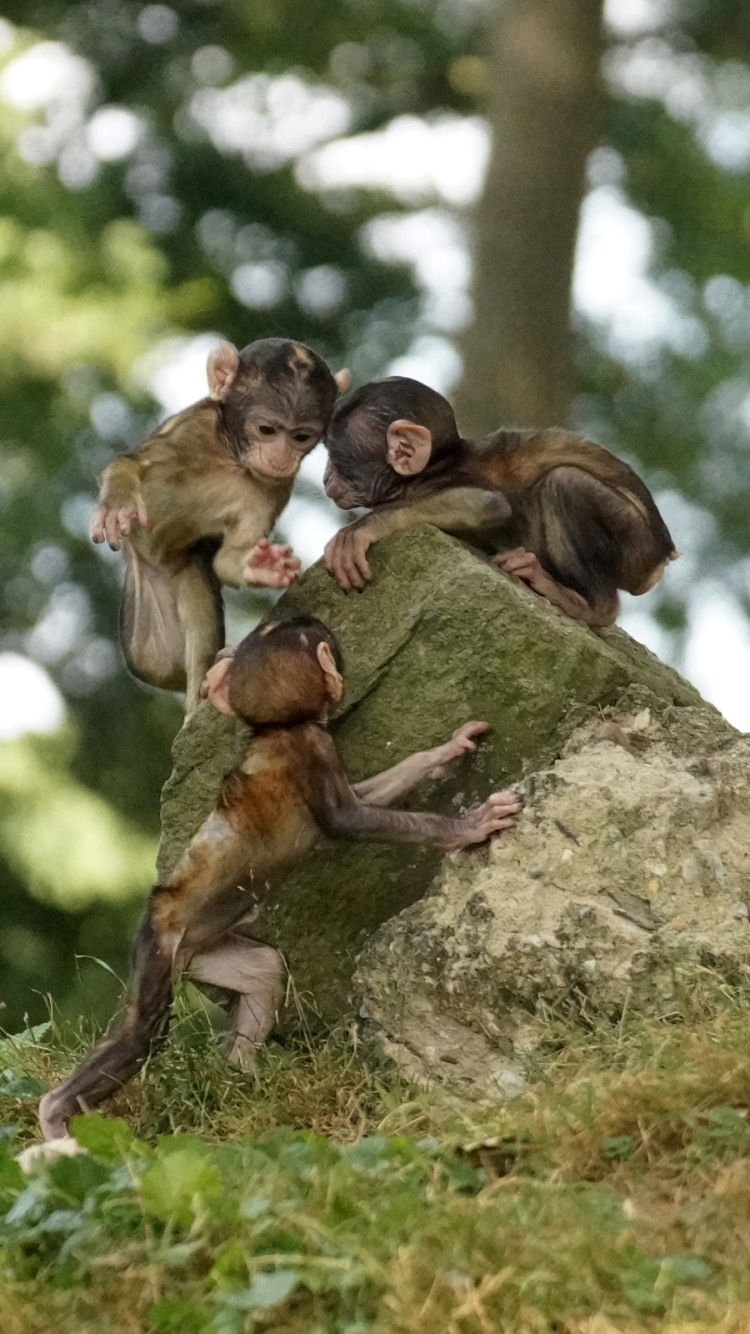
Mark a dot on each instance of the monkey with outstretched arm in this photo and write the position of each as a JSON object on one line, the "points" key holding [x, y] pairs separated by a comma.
{"points": [[194, 503], [561, 513], [289, 791]]}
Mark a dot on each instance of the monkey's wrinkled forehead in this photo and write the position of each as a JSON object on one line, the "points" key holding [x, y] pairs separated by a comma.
{"points": [[289, 375]]}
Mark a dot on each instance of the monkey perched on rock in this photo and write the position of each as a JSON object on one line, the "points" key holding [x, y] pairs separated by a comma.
{"points": [[558, 511], [194, 503], [291, 789]]}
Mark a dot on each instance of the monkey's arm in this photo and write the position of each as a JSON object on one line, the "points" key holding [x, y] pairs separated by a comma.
{"points": [[351, 818], [460, 509], [120, 501], [382, 789]]}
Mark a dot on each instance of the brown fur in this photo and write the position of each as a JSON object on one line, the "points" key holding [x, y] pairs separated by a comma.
{"points": [[207, 509], [289, 790], [585, 514]]}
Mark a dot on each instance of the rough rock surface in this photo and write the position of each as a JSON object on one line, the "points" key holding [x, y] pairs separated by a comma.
{"points": [[631, 864], [438, 638]]}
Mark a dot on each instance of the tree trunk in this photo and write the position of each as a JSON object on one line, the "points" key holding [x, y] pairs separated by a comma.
{"points": [[543, 105]]}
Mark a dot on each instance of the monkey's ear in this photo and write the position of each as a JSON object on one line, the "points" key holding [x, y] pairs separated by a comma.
{"points": [[409, 447], [223, 365], [343, 379], [334, 684]]}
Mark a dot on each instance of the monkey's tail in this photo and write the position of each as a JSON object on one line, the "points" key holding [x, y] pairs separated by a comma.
{"points": [[118, 1057]]}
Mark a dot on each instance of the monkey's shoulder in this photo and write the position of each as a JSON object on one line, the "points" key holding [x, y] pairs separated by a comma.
{"points": [[194, 430], [286, 760]]}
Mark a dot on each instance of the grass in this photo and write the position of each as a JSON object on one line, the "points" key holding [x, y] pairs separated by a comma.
{"points": [[328, 1197]]}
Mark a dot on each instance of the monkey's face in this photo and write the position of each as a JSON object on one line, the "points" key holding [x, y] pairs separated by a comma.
{"points": [[273, 443], [277, 397], [343, 493]]}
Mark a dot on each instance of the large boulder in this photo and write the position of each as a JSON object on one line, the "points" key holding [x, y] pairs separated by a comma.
{"points": [[636, 793]]}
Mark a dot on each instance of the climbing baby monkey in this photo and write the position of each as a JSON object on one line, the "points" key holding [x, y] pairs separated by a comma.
{"points": [[290, 790], [561, 513], [193, 505]]}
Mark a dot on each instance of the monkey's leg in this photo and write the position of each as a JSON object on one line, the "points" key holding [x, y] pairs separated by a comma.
{"points": [[201, 614], [150, 631], [121, 1054], [256, 975]]}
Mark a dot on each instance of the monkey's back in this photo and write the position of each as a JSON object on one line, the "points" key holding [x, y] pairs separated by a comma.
{"points": [[261, 824], [516, 460]]}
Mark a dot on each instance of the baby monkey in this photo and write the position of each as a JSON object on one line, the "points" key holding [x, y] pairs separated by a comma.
{"points": [[194, 503], [561, 513], [291, 789]]}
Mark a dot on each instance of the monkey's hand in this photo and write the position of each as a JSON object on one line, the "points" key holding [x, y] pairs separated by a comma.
{"points": [[460, 744], [112, 523], [500, 811], [224, 653], [525, 566], [344, 556], [271, 566]]}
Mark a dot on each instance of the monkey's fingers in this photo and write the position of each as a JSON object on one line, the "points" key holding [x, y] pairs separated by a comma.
{"points": [[504, 558], [353, 561], [471, 729], [96, 526], [460, 744], [514, 562], [126, 517], [270, 576], [336, 561], [343, 379], [112, 530]]}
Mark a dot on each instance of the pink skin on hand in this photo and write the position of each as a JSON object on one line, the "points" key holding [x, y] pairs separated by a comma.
{"points": [[271, 565], [111, 525]]}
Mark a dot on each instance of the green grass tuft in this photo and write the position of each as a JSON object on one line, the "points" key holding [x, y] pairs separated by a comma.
{"points": [[325, 1196]]}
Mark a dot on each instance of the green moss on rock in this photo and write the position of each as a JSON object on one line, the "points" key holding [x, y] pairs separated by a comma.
{"points": [[439, 637]]}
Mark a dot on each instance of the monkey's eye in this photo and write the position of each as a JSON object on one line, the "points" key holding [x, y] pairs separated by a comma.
{"points": [[267, 430], [303, 437]]}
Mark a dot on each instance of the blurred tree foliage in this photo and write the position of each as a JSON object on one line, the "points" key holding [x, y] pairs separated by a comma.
{"points": [[162, 200], [100, 259]]}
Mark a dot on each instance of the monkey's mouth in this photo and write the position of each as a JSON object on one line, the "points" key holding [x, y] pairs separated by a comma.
{"points": [[273, 474], [340, 495]]}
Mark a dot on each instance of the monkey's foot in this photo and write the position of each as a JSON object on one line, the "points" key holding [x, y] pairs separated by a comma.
{"points": [[525, 566], [243, 1052], [38, 1155], [54, 1115]]}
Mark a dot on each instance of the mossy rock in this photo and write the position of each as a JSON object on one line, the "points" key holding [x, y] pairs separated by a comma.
{"points": [[438, 638]]}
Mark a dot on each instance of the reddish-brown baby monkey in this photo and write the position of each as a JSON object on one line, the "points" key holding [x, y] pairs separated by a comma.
{"points": [[568, 518], [193, 504], [283, 679]]}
